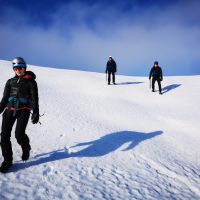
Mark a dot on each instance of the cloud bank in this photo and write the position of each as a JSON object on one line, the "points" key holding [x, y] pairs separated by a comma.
{"points": [[81, 36]]}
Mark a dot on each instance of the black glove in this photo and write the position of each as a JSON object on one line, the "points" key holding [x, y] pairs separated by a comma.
{"points": [[1, 110], [35, 118], [161, 79]]}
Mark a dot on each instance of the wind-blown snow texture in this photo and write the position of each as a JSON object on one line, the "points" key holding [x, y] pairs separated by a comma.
{"points": [[108, 142]]}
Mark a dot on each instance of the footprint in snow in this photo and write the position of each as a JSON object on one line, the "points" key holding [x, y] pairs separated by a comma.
{"points": [[48, 170]]}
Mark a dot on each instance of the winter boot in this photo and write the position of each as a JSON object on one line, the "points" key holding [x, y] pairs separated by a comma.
{"points": [[5, 166], [26, 153]]}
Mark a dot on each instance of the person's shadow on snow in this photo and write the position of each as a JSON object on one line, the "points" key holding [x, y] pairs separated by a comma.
{"points": [[129, 83], [100, 147], [170, 87], [111, 142]]}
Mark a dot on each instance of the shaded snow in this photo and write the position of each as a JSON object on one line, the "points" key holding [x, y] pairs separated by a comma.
{"points": [[108, 142]]}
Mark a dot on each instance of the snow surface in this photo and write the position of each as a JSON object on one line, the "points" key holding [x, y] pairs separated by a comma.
{"points": [[108, 142]]}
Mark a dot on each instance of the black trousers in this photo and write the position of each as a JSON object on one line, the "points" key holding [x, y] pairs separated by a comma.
{"points": [[109, 76], [22, 117], [159, 84]]}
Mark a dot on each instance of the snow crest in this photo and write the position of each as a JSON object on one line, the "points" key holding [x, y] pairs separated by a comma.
{"points": [[108, 142]]}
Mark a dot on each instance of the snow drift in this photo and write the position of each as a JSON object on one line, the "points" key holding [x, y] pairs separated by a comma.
{"points": [[108, 142]]}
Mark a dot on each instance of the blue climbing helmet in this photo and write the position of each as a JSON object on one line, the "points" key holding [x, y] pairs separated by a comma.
{"points": [[19, 62]]}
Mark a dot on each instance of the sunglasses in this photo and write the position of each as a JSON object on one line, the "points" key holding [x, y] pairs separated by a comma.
{"points": [[17, 68]]}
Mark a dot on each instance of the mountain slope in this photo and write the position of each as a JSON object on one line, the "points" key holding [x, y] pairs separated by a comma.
{"points": [[108, 142]]}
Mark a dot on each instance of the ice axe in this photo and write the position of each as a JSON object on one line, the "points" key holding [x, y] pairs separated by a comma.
{"points": [[150, 83], [39, 116]]}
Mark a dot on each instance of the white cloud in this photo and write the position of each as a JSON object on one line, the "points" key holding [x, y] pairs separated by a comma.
{"points": [[82, 36]]}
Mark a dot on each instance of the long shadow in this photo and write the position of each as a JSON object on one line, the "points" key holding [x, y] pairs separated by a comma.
{"points": [[170, 87], [129, 83], [100, 147]]}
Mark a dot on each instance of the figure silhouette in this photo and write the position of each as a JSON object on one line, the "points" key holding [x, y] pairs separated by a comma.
{"points": [[170, 87], [112, 142], [100, 147], [129, 83]]}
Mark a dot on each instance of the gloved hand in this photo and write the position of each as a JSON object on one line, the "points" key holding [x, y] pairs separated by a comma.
{"points": [[1, 110], [35, 118], [161, 79]]}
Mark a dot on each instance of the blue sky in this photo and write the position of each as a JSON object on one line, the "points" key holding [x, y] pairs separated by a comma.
{"points": [[82, 34]]}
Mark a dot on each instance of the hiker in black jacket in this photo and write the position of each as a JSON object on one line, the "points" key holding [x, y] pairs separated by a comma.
{"points": [[111, 68], [156, 74], [19, 98]]}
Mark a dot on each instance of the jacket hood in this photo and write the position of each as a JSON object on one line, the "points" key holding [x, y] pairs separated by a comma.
{"points": [[29, 75]]}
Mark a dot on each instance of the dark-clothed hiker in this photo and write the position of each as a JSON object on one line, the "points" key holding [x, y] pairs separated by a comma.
{"points": [[156, 74], [19, 98], [111, 68]]}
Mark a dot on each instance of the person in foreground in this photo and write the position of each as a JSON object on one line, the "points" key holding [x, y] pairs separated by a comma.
{"points": [[19, 98], [111, 68], [156, 74]]}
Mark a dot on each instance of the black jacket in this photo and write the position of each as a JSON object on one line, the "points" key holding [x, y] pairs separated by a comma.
{"points": [[111, 66], [156, 72], [23, 88]]}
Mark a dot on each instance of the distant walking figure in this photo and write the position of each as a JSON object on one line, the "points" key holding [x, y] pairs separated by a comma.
{"points": [[156, 74], [111, 68]]}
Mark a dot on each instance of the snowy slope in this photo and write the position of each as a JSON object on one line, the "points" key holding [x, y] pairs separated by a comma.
{"points": [[108, 142]]}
